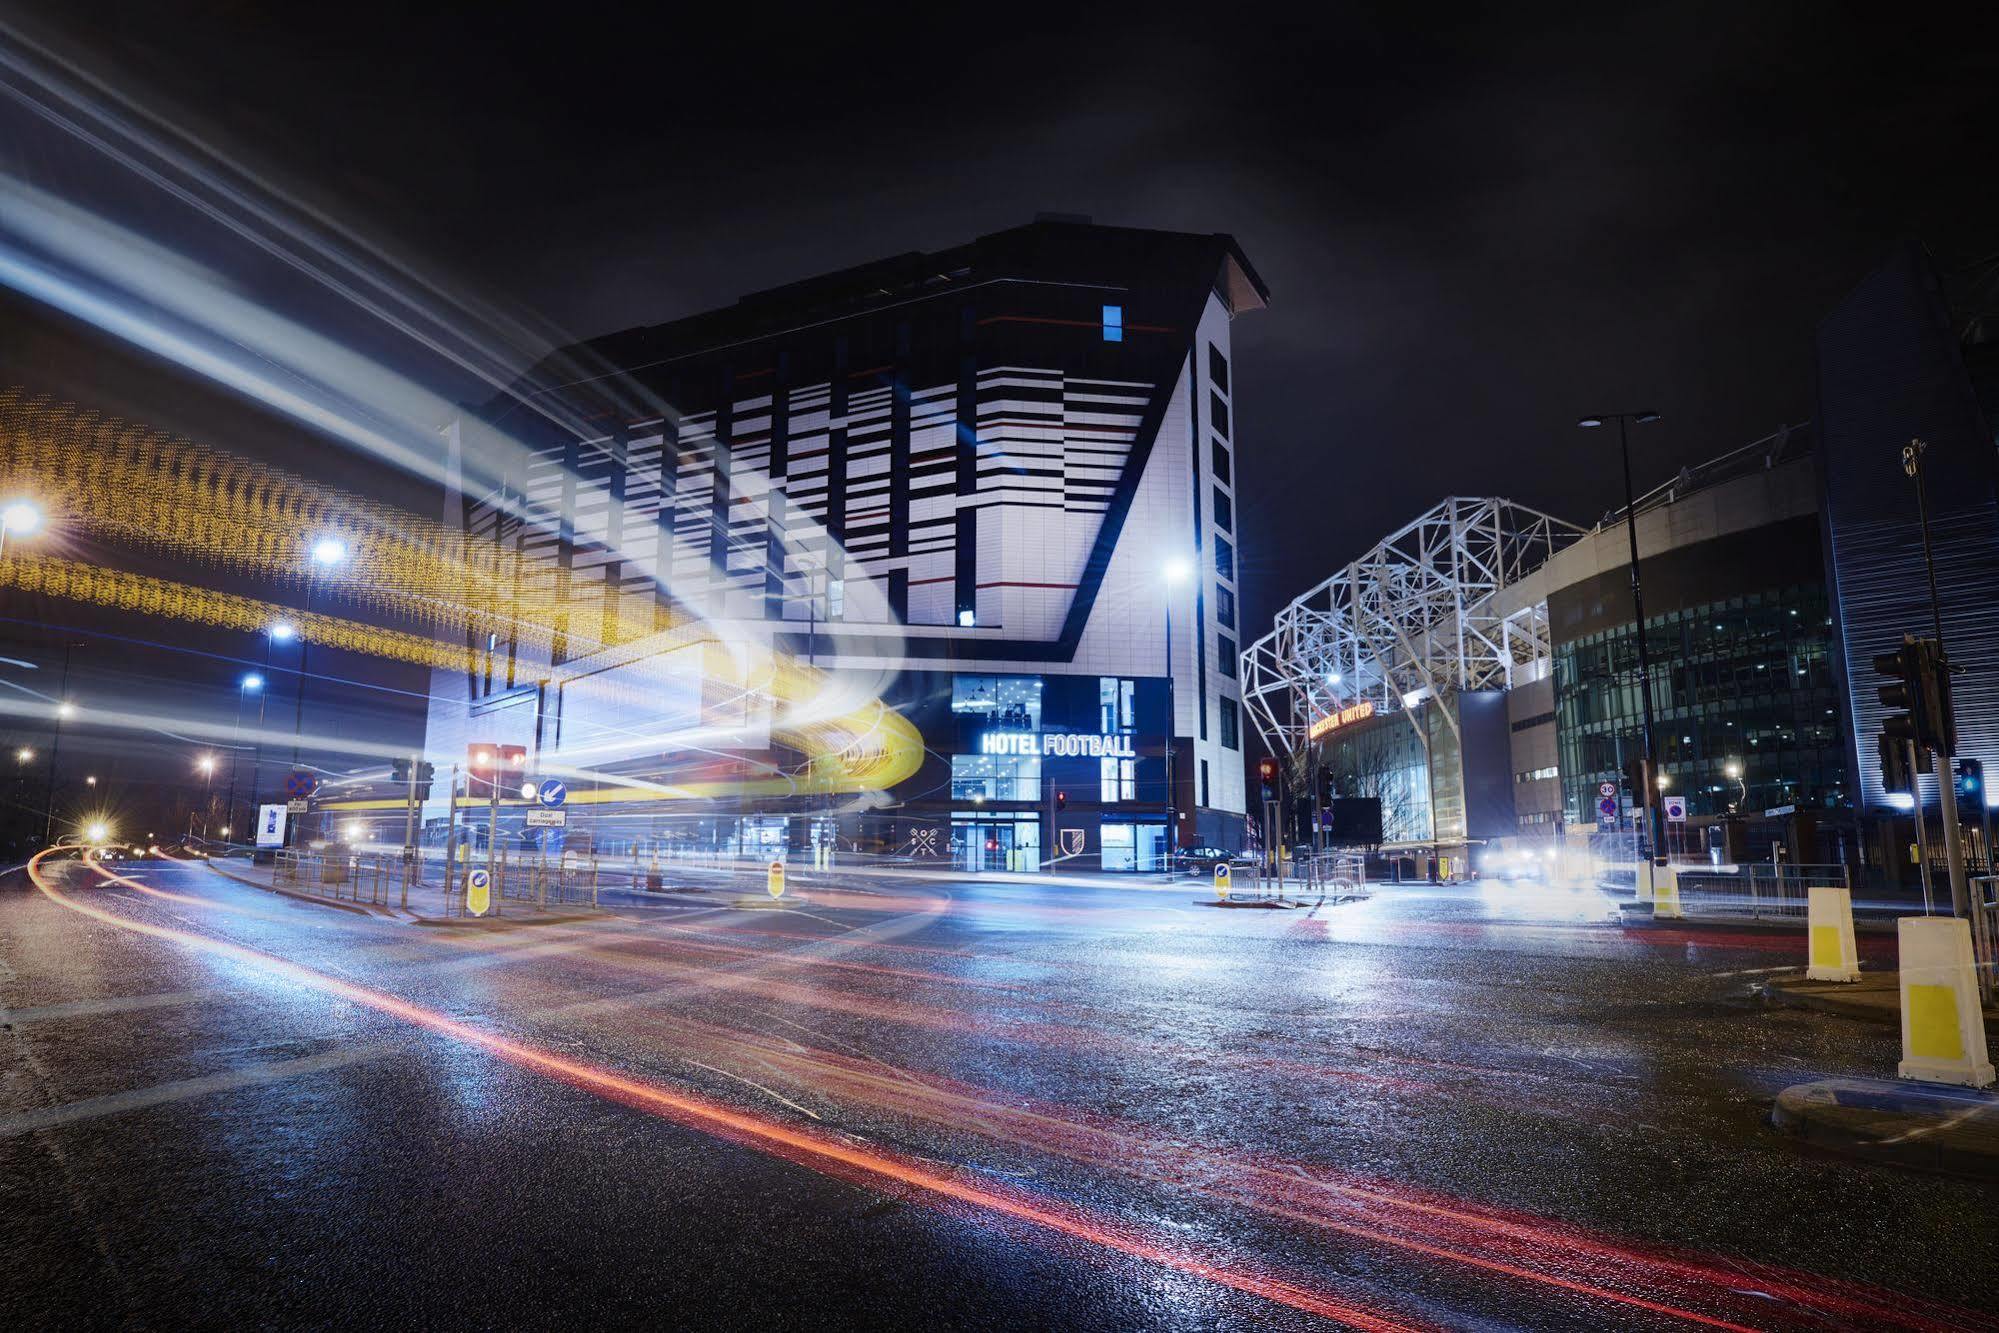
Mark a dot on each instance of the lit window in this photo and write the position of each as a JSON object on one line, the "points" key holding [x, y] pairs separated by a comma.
{"points": [[967, 618], [1113, 323]]}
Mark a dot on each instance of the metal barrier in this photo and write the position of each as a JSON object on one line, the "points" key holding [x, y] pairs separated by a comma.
{"points": [[380, 878], [1758, 890], [1331, 874], [1985, 934]]}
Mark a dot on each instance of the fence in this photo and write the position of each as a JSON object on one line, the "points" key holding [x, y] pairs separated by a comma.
{"points": [[1985, 934], [380, 878], [567, 881], [1759, 890], [1335, 875]]}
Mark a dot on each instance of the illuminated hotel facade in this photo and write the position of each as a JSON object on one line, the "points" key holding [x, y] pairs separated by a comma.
{"points": [[951, 486]]}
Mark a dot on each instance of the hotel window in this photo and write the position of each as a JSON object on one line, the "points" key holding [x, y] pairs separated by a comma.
{"points": [[1218, 460], [1117, 780], [1006, 703], [1116, 705], [1218, 415], [1218, 368], [1225, 559], [995, 777], [1231, 726], [1224, 607], [1113, 323], [1225, 655], [1224, 511]]}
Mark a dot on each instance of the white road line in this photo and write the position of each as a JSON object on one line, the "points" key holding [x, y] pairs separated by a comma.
{"points": [[139, 1099], [114, 1004]]}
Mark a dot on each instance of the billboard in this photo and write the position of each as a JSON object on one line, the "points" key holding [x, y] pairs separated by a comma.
{"points": [[270, 825]]}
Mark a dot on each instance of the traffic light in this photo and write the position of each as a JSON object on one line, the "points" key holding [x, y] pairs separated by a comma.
{"points": [[1325, 788], [1919, 686], [1895, 774], [1971, 782], [413, 773], [1266, 772], [1637, 779], [1061, 801]]}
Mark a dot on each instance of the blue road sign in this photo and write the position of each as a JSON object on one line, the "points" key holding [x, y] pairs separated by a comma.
{"points": [[300, 784], [551, 793]]}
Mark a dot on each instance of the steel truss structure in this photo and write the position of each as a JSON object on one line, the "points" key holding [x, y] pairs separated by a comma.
{"points": [[1415, 618]]}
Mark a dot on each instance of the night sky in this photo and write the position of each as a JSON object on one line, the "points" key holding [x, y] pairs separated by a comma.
{"points": [[1473, 228]]}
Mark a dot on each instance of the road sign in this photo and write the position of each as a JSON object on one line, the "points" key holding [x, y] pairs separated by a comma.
{"points": [[478, 893], [547, 818], [775, 883], [551, 793], [297, 807], [1606, 789], [1606, 812], [1221, 879], [300, 784], [1676, 809], [271, 825]]}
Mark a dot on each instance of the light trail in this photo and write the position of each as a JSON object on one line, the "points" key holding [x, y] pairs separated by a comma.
{"points": [[836, 1156]]}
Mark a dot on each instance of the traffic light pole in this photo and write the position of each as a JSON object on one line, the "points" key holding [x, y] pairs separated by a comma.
{"points": [[1953, 837], [409, 810], [1922, 841]]}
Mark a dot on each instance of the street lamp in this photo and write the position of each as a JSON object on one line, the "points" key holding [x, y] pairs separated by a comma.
{"points": [[1732, 770], [1625, 420], [1176, 571], [21, 518], [90, 780], [24, 755], [329, 551], [281, 631]]}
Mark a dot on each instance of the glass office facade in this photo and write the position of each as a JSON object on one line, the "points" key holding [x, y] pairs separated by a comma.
{"points": [[1745, 706]]}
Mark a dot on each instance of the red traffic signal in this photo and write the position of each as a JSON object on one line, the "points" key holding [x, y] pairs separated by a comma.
{"points": [[1061, 800], [1266, 769]]}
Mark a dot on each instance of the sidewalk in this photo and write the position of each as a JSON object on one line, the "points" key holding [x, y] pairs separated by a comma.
{"points": [[262, 877], [1875, 998]]}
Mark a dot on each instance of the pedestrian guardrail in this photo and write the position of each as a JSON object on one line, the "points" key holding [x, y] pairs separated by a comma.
{"points": [[1985, 934], [1764, 891]]}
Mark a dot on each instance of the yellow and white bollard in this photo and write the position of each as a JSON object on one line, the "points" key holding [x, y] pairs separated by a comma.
{"points": [[1664, 885], [774, 881], [1831, 955], [1943, 1029], [1222, 880]]}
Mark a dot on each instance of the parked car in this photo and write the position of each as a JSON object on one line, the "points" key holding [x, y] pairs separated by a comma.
{"points": [[1203, 860]]}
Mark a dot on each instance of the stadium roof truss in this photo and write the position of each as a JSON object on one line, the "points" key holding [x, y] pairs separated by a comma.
{"points": [[1412, 619]]}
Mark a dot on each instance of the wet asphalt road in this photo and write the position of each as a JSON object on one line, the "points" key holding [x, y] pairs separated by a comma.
{"points": [[937, 1104]]}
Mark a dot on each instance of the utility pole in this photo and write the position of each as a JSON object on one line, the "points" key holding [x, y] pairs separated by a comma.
{"points": [[451, 833], [55, 748]]}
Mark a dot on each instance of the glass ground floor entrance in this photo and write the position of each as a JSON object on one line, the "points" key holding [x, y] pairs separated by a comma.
{"points": [[1136, 845], [996, 841]]}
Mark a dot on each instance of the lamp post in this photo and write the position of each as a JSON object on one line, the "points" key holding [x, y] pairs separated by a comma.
{"points": [[21, 518], [1175, 573], [251, 683], [64, 710], [1625, 420], [206, 767]]}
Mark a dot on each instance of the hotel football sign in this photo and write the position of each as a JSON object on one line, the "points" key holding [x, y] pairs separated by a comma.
{"points": [[1057, 745]]}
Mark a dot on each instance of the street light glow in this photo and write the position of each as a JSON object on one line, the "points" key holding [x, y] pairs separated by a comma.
{"points": [[65, 709], [23, 755], [329, 551], [97, 831], [206, 763], [90, 781], [1177, 570], [282, 630], [1731, 769], [20, 517], [252, 682]]}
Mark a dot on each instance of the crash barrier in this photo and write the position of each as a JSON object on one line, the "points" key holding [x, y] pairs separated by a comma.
{"points": [[1943, 1028], [1831, 954], [1757, 890]]}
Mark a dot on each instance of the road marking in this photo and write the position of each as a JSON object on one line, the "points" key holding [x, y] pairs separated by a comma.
{"points": [[111, 1004], [140, 1099]]}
